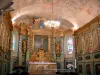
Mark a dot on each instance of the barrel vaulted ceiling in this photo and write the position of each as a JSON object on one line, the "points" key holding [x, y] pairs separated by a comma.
{"points": [[73, 13]]}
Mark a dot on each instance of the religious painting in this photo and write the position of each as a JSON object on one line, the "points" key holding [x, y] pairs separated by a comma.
{"points": [[79, 45], [70, 45], [95, 44], [40, 42], [86, 38], [97, 69], [88, 69]]}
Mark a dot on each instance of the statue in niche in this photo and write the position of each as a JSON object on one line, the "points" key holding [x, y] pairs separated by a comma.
{"points": [[23, 28], [58, 48], [23, 46], [34, 57], [36, 24]]}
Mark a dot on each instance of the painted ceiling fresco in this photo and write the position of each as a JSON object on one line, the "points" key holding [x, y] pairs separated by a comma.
{"points": [[73, 13]]}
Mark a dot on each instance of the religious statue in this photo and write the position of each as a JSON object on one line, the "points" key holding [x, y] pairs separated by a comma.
{"points": [[34, 57], [58, 49], [41, 56]]}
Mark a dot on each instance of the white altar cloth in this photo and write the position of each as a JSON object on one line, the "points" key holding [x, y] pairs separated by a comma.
{"points": [[42, 67]]}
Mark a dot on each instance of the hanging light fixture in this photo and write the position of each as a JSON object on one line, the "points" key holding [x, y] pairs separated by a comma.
{"points": [[52, 23]]}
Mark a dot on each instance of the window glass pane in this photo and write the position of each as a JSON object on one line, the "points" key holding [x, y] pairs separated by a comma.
{"points": [[13, 41], [70, 45]]}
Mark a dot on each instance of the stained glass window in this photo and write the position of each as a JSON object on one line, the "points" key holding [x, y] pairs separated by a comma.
{"points": [[13, 41], [70, 45]]}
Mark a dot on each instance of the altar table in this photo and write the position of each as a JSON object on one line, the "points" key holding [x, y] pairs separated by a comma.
{"points": [[42, 68]]}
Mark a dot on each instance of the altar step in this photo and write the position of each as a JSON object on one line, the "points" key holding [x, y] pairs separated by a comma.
{"points": [[43, 74], [57, 74]]}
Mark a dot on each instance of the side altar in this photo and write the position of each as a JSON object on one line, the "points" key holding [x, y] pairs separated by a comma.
{"points": [[41, 63]]}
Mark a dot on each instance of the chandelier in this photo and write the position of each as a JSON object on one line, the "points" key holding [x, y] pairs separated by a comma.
{"points": [[52, 23]]}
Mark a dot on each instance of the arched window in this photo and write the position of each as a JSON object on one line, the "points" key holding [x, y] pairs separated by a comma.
{"points": [[70, 45], [13, 41]]}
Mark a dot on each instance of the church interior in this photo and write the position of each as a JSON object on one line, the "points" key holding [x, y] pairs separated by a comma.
{"points": [[50, 37]]}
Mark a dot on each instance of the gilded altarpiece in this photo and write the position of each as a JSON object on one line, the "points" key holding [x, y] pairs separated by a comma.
{"points": [[5, 41]]}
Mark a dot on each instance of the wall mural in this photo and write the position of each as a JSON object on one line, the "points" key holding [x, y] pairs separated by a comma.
{"points": [[40, 42], [87, 40], [95, 44]]}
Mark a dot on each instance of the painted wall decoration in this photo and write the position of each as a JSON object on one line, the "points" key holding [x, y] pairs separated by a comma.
{"points": [[87, 39], [90, 36], [95, 39], [70, 45], [5, 32]]}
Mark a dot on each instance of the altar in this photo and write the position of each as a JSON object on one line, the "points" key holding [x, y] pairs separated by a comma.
{"points": [[42, 68], [42, 63]]}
